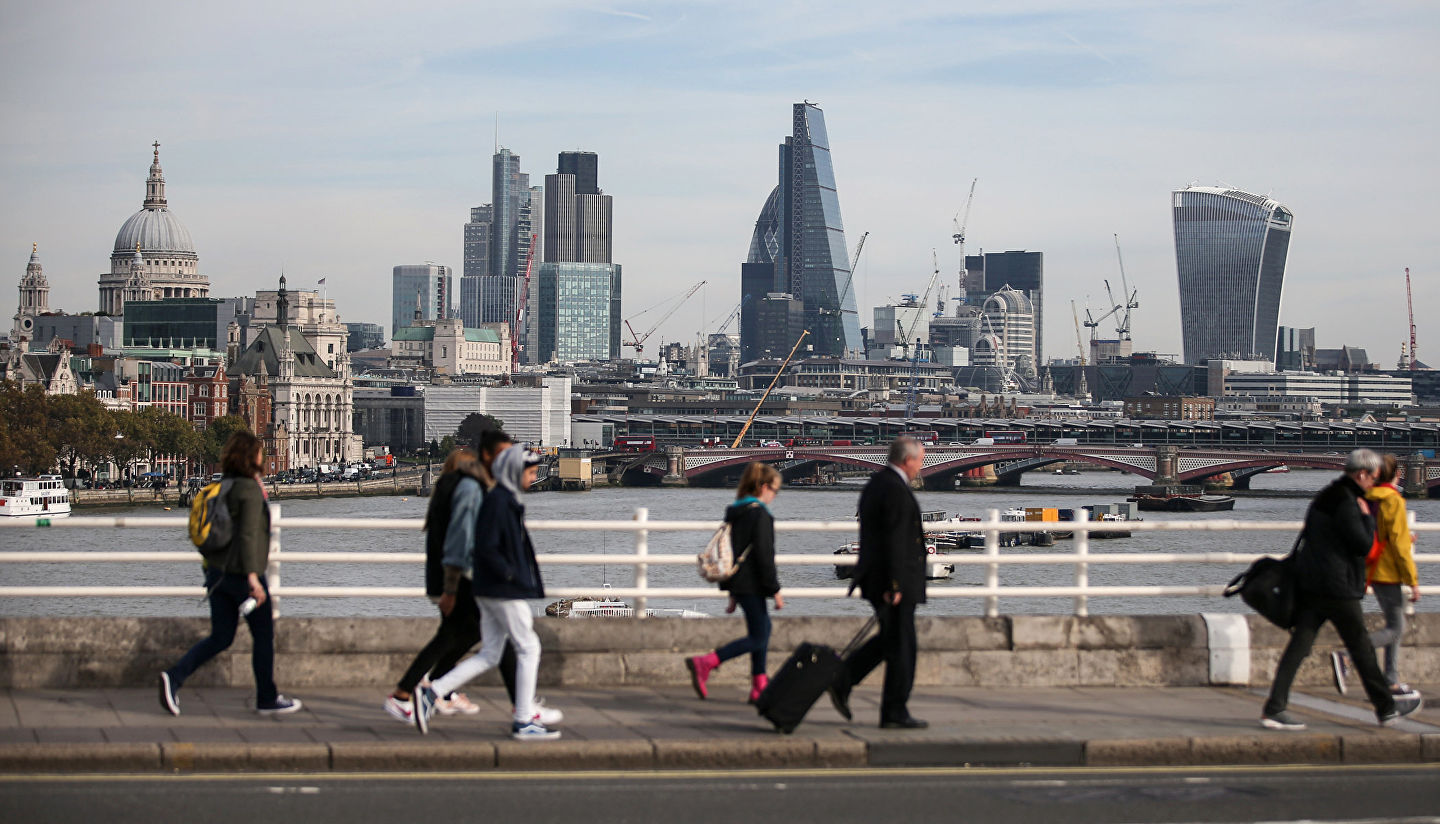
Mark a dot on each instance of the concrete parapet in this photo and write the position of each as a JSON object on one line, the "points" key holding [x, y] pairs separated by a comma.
{"points": [[1022, 650]]}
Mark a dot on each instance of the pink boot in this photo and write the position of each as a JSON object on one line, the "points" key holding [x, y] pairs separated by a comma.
{"points": [[758, 683], [700, 668]]}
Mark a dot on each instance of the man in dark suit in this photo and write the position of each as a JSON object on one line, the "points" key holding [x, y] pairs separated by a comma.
{"points": [[890, 573]]}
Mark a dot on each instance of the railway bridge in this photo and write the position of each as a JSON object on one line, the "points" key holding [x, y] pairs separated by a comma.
{"points": [[682, 466]]}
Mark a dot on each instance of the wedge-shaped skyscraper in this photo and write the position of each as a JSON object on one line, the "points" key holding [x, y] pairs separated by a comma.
{"points": [[1230, 249]]}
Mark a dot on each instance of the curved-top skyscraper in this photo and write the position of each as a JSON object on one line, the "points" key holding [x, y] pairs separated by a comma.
{"points": [[1230, 249]]}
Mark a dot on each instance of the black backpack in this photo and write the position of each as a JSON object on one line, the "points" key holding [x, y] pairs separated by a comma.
{"points": [[1268, 587]]}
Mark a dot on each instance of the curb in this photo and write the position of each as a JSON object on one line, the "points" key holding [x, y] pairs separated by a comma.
{"points": [[735, 754]]}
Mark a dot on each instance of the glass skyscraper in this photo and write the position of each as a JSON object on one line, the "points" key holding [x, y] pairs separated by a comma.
{"points": [[801, 234], [1230, 250], [420, 290]]}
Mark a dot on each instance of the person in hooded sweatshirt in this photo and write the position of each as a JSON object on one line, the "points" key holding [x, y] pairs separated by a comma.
{"points": [[505, 574], [752, 540]]}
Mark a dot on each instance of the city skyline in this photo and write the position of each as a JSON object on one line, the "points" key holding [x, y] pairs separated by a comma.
{"points": [[276, 158]]}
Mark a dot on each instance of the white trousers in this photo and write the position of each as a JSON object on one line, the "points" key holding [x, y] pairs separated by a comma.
{"points": [[501, 619]]}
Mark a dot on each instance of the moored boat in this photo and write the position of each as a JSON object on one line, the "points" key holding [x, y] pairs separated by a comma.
{"points": [[1180, 499], [936, 566], [34, 498]]}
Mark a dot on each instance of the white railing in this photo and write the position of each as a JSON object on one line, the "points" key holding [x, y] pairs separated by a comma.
{"points": [[991, 558]]}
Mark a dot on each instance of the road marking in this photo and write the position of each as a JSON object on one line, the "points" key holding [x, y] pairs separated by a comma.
{"points": [[668, 775]]}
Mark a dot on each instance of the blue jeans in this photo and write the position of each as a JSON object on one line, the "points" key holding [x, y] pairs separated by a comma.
{"points": [[1392, 606], [757, 634], [229, 592]]}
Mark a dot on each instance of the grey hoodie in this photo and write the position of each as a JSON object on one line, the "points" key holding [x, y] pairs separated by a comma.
{"points": [[509, 468]]}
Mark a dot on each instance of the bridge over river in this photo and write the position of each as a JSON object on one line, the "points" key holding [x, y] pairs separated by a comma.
{"points": [[945, 465]]}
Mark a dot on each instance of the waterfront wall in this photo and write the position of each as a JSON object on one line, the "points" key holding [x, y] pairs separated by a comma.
{"points": [[1009, 651]]}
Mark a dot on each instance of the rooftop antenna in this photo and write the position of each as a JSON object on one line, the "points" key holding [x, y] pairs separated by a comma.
{"points": [[497, 133]]}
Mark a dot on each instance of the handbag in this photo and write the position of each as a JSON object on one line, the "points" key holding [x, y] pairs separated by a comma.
{"points": [[1268, 587]]}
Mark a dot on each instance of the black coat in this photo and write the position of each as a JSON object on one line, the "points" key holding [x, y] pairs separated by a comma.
{"points": [[892, 541], [752, 526], [1337, 537], [437, 523], [505, 565]]}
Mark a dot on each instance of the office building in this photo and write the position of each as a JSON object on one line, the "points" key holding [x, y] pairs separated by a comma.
{"points": [[1230, 251], [178, 323], [801, 233], [419, 292], [1023, 271], [477, 262], [362, 336], [1295, 349], [155, 239], [575, 294]]}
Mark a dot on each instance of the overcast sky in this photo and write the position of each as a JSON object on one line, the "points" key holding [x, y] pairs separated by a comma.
{"points": [[338, 141]]}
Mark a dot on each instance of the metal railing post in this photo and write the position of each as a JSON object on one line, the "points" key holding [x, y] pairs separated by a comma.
{"points": [[642, 569], [992, 571], [1082, 569], [272, 568], [1410, 525]]}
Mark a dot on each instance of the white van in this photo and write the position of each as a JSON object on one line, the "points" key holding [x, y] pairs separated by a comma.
{"points": [[1065, 442], [984, 442]]}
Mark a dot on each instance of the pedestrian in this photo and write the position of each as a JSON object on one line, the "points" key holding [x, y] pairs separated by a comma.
{"points": [[505, 575], [230, 583], [1329, 585], [890, 573], [752, 540], [1390, 565], [449, 547]]}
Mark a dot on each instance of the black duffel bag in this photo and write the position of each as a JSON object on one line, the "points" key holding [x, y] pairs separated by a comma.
{"points": [[1268, 587]]}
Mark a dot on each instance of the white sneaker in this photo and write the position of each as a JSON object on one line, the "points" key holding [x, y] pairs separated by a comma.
{"points": [[548, 716], [402, 711], [456, 704], [532, 732]]}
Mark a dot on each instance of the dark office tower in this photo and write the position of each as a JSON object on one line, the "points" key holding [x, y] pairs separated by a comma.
{"points": [[585, 166], [813, 256], [477, 263], [1230, 250], [759, 276], [575, 297], [1023, 272]]}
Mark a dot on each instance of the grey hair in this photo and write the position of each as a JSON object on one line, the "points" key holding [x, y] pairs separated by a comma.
{"points": [[902, 449], [1363, 460]]}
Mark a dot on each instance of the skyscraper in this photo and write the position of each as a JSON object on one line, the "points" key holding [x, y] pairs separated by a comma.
{"points": [[1230, 250], [575, 300], [809, 253], [516, 216], [421, 290], [477, 262], [1022, 271]]}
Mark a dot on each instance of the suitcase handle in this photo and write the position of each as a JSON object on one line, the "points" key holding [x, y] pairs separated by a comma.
{"points": [[860, 637]]}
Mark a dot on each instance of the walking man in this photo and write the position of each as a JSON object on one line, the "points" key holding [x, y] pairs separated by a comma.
{"points": [[890, 573], [1330, 583]]}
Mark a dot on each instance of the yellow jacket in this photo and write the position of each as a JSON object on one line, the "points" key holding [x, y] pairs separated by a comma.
{"points": [[1396, 564]]}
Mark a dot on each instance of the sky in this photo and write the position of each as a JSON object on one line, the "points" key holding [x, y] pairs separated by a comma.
{"points": [[338, 141]]}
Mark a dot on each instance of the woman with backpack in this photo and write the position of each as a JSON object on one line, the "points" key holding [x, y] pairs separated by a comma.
{"points": [[235, 580], [752, 536]]}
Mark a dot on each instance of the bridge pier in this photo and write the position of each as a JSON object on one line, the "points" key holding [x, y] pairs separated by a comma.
{"points": [[675, 471], [1416, 476], [1167, 459], [979, 476]]}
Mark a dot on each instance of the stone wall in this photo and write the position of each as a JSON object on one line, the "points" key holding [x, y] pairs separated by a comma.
{"points": [[1008, 651]]}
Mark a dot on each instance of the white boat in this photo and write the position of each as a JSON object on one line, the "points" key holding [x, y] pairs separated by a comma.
{"points": [[936, 566], [34, 498], [610, 607]]}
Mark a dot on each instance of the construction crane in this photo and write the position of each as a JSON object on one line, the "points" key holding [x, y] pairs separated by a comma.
{"points": [[524, 298], [1122, 326], [907, 335], [637, 341], [730, 318], [960, 221], [854, 261], [1410, 307], [778, 372], [1079, 345]]}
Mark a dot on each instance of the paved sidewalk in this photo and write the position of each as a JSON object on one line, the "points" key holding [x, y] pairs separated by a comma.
{"points": [[109, 730]]}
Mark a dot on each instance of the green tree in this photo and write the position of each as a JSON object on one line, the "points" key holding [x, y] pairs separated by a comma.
{"points": [[217, 434], [79, 430], [172, 435], [25, 422], [447, 445], [475, 425], [132, 440]]}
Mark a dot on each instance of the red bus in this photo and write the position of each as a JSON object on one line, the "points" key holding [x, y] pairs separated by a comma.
{"points": [[635, 443], [929, 437], [1006, 436]]}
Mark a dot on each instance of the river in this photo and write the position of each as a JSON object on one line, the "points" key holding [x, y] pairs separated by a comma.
{"points": [[669, 504]]}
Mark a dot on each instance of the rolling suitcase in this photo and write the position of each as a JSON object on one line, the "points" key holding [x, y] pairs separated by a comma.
{"points": [[802, 679]]}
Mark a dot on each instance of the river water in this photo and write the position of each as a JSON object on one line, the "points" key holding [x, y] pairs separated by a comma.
{"points": [[1070, 491]]}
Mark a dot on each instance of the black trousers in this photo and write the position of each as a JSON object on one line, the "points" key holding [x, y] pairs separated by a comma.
{"points": [[896, 646], [1312, 611], [458, 632]]}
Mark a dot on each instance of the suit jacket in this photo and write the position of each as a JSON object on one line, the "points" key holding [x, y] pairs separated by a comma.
{"points": [[892, 541]]}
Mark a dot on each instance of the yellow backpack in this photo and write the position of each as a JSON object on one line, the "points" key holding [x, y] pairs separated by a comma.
{"points": [[211, 527]]}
